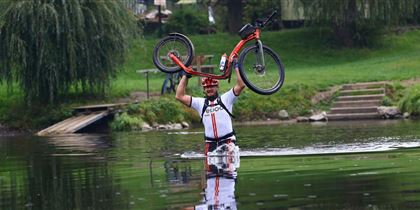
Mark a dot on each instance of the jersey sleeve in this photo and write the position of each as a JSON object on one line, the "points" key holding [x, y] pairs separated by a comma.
{"points": [[228, 99], [197, 104]]}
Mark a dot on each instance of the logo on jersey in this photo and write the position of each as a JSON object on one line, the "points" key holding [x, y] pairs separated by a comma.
{"points": [[210, 110]]}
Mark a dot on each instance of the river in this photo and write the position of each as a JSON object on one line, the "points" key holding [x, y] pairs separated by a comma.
{"points": [[335, 165]]}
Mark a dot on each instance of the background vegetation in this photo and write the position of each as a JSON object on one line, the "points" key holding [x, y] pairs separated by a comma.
{"points": [[188, 21], [411, 101], [313, 60], [311, 65], [51, 47], [359, 22]]}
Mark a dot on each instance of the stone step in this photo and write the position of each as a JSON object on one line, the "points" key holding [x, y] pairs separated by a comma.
{"points": [[362, 92], [360, 103], [347, 110], [361, 97], [353, 116], [364, 85]]}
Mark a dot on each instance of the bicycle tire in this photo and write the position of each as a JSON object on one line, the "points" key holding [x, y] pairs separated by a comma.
{"points": [[166, 86], [264, 80], [181, 46]]}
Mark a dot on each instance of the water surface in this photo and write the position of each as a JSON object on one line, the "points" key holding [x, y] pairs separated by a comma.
{"points": [[358, 165]]}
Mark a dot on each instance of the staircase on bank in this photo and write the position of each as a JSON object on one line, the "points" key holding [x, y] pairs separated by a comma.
{"points": [[358, 102]]}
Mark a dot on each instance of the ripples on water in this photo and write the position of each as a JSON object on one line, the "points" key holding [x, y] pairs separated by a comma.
{"points": [[387, 144], [313, 166]]}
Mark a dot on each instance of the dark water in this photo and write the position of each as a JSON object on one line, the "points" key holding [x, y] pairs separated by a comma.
{"points": [[359, 165]]}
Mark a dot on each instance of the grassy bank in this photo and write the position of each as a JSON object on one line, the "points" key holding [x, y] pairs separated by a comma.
{"points": [[308, 59], [311, 65]]}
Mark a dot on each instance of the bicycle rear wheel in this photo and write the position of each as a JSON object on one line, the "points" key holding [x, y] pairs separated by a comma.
{"points": [[170, 83], [178, 45], [262, 75], [166, 86]]}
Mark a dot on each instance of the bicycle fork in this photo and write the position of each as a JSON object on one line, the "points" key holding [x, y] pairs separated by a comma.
{"points": [[259, 66], [260, 55]]}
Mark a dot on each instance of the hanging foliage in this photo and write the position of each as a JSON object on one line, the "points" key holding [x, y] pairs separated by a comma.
{"points": [[354, 22], [49, 46], [254, 9]]}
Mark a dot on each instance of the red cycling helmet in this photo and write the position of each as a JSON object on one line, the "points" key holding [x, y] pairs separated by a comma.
{"points": [[207, 82]]}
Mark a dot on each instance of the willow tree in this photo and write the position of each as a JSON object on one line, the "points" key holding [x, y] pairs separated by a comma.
{"points": [[357, 22], [49, 46]]}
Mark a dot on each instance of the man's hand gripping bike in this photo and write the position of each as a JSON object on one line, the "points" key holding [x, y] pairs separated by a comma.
{"points": [[259, 66]]}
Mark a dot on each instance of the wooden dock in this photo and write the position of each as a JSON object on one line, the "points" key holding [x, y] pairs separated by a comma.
{"points": [[84, 116]]}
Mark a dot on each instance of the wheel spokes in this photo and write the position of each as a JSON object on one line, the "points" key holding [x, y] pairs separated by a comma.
{"points": [[262, 76]]}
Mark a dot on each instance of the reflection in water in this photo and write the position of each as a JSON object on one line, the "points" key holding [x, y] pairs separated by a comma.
{"points": [[177, 175], [219, 187], [140, 170], [51, 180], [220, 183], [78, 144]]}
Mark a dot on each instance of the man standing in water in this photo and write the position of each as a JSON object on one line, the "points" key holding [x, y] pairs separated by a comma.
{"points": [[215, 110]]}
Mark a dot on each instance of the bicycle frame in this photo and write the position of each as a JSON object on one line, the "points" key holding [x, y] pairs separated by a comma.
{"points": [[234, 54]]}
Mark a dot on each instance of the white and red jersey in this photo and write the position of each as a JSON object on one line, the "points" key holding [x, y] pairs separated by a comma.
{"points": [[217, 122]]}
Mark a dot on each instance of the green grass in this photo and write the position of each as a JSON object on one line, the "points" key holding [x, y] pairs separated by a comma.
{"points": [[311, 65], [306, 58]]}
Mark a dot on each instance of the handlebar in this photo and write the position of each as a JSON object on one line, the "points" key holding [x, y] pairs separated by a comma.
{"points": [[270, 17], [263, 22]]}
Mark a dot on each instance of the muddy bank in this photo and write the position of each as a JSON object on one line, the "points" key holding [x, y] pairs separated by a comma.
{"points": [[7, 131]]}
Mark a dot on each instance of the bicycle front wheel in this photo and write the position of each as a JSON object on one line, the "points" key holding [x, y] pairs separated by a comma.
{"points": [[263, 72], [180, 46]]}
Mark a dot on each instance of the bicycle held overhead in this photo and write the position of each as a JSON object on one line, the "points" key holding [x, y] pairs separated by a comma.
{"points": [[259, 66]]}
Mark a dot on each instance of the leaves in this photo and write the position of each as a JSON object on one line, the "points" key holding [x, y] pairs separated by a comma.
{"points": [[51, 46], [359, 22]]}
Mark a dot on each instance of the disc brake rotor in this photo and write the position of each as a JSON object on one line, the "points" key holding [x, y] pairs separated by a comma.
{"points": [[259, 69]]}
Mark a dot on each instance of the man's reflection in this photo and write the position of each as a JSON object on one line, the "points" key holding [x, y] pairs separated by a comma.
{"points": [[219, 189]]}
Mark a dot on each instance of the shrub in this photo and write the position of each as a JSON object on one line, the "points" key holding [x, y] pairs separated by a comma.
{"points": [[187, 21], [125, 122], [394, 93], [386, 101], [295, 99], [162, 110], [411, 101], [16, 114]]}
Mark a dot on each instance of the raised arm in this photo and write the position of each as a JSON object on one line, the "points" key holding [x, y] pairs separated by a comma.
{"points": [[240, 85], [180, 92]]}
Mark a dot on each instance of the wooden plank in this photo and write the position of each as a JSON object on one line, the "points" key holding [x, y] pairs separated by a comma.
{"points": [[85, 122], [99, 106], [55, 126], [73, 124]]}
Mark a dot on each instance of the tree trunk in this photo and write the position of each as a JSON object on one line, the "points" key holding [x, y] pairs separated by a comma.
{"points": [[345, 33], [234, 15]]}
